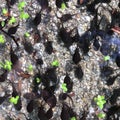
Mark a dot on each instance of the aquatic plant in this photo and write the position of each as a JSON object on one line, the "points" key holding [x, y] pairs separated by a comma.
{"points": [[100, 101]]}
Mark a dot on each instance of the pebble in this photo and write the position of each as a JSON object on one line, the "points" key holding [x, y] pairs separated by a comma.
{"points": [[59, 14]]}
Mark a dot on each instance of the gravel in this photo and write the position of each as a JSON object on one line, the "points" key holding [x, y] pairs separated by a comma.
{"points": [[84, 91]]}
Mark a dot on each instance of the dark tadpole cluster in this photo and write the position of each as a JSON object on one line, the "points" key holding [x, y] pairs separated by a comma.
{"points": [[45, 83]]}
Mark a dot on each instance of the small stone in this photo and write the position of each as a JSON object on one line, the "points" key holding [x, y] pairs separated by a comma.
{"points": [[59, 14]]}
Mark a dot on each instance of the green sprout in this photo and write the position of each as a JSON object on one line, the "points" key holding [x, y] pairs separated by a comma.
{"points": [[73, 118], [100, 101], [2, 23], [7, 65], [27, 34], [106, 58], [21, 5], [101, 115], [63, 6], [12, 20], [64, 87], [2, 39], [30, 67], [4, 11], [55, 63], [14, 100], [38, 80], [24, 15]]}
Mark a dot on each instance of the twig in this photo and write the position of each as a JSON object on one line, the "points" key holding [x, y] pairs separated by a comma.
{"points": [[116, 30]]}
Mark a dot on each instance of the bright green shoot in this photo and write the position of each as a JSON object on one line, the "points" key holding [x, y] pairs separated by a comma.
{"points": [[27, 34], [2, 23], [106, 58], [38, 80], [14, 100], [55, 63], [73, 118], [24, 15], [7, 65], [2, 39], [30, 67], [64, 87], [63, 6], [101, 115], [4, 11], [12, 20], [21, 5], [100, 101]]}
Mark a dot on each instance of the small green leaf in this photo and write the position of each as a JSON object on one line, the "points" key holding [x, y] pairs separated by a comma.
{"points": [[12, 20], [55, 63], [2, 39], [64, 88], [38, 80], [27, 34], [73, 118], [101, 115], [30, 67], [106, 58], [14, 100], [21, 5], [100, 101], [24, 15], [100, 106], [7, 65], [63, 6], [2, 23], [4, 11], [103, 101]]}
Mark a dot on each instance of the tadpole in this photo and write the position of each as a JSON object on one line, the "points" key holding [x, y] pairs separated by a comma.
{"points": [[69, 83], [111, 80], [37, 19], [3, 76], [76, 56], [78, 72], [48, 47], [117, 60], [30, 106], [65, 37], [13, 30], [13, 56], [28, 47]]}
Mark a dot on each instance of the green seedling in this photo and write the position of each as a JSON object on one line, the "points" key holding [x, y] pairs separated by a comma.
{"points": [[2, 23], [55, 63], [14, 100], [100, 101], [38, 80], [12, 20], [2, 39], [30, 67], [7, 65], [101, 115], [73, 118], [4, 11], [64, 87], [21, 5], [106, 58], [27, 34], [63, 6], [24, 15]]}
